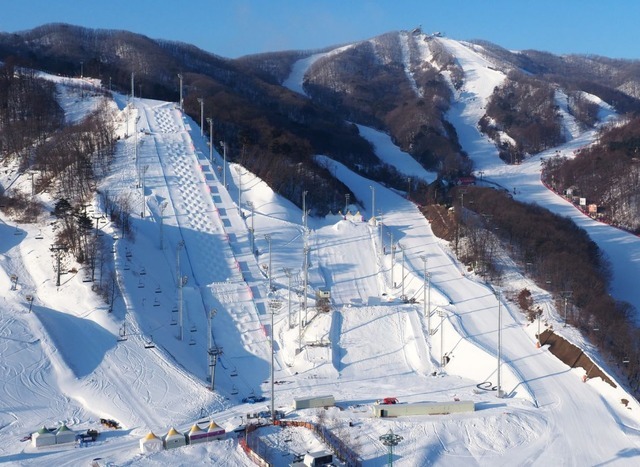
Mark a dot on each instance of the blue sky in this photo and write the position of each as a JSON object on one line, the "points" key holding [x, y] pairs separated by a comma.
{"points": [[232, 28]]}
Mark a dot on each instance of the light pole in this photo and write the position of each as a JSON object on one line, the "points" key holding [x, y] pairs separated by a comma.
{"points": [[287, 272], [239, 171], [393, 285], [390, 440], [163, 206], [201, 100], [181, 101], [441, 313], [373, 202], [252, 230], [144, 175], [210, 121], [304, 210], [497, 293], [565, 295], [213, 353], [180, 284], [267, 237], [274, 306], [426, 300], [224, 163], [381, 238], [402, 278], [306, 280]]}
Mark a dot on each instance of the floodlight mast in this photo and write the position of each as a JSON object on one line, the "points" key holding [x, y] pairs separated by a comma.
{"points": [[201, 101]]}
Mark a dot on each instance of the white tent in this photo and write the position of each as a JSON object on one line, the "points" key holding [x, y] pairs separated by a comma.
{"points": [[197, 435], [150, 443], [215, 431], [65, 435], [174, 439], [43, 437]]}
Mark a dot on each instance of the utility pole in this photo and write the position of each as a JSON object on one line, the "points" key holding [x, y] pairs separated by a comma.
{"points": [[132, 86]]}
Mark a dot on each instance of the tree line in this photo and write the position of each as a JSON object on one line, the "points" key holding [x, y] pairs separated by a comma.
{"points": [[559, 256]]}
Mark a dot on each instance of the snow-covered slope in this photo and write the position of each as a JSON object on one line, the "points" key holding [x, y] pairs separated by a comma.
{"points": [[64, 362]]}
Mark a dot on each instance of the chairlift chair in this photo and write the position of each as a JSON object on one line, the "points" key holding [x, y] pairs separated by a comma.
{"points": [[141, 284], [234, 390], [192, 341], [149, 344], [39, 236], [156, 302], [234, 372]]}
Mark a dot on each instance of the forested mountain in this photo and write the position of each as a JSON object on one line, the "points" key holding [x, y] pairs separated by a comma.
{"points": [[402, 83]]}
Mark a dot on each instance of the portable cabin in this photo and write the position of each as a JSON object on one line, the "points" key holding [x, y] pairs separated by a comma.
{"points": [[313, 402], [43, 437], [174, 439], [423, 408], [317, 459], [64, 434], [150, 443]]}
